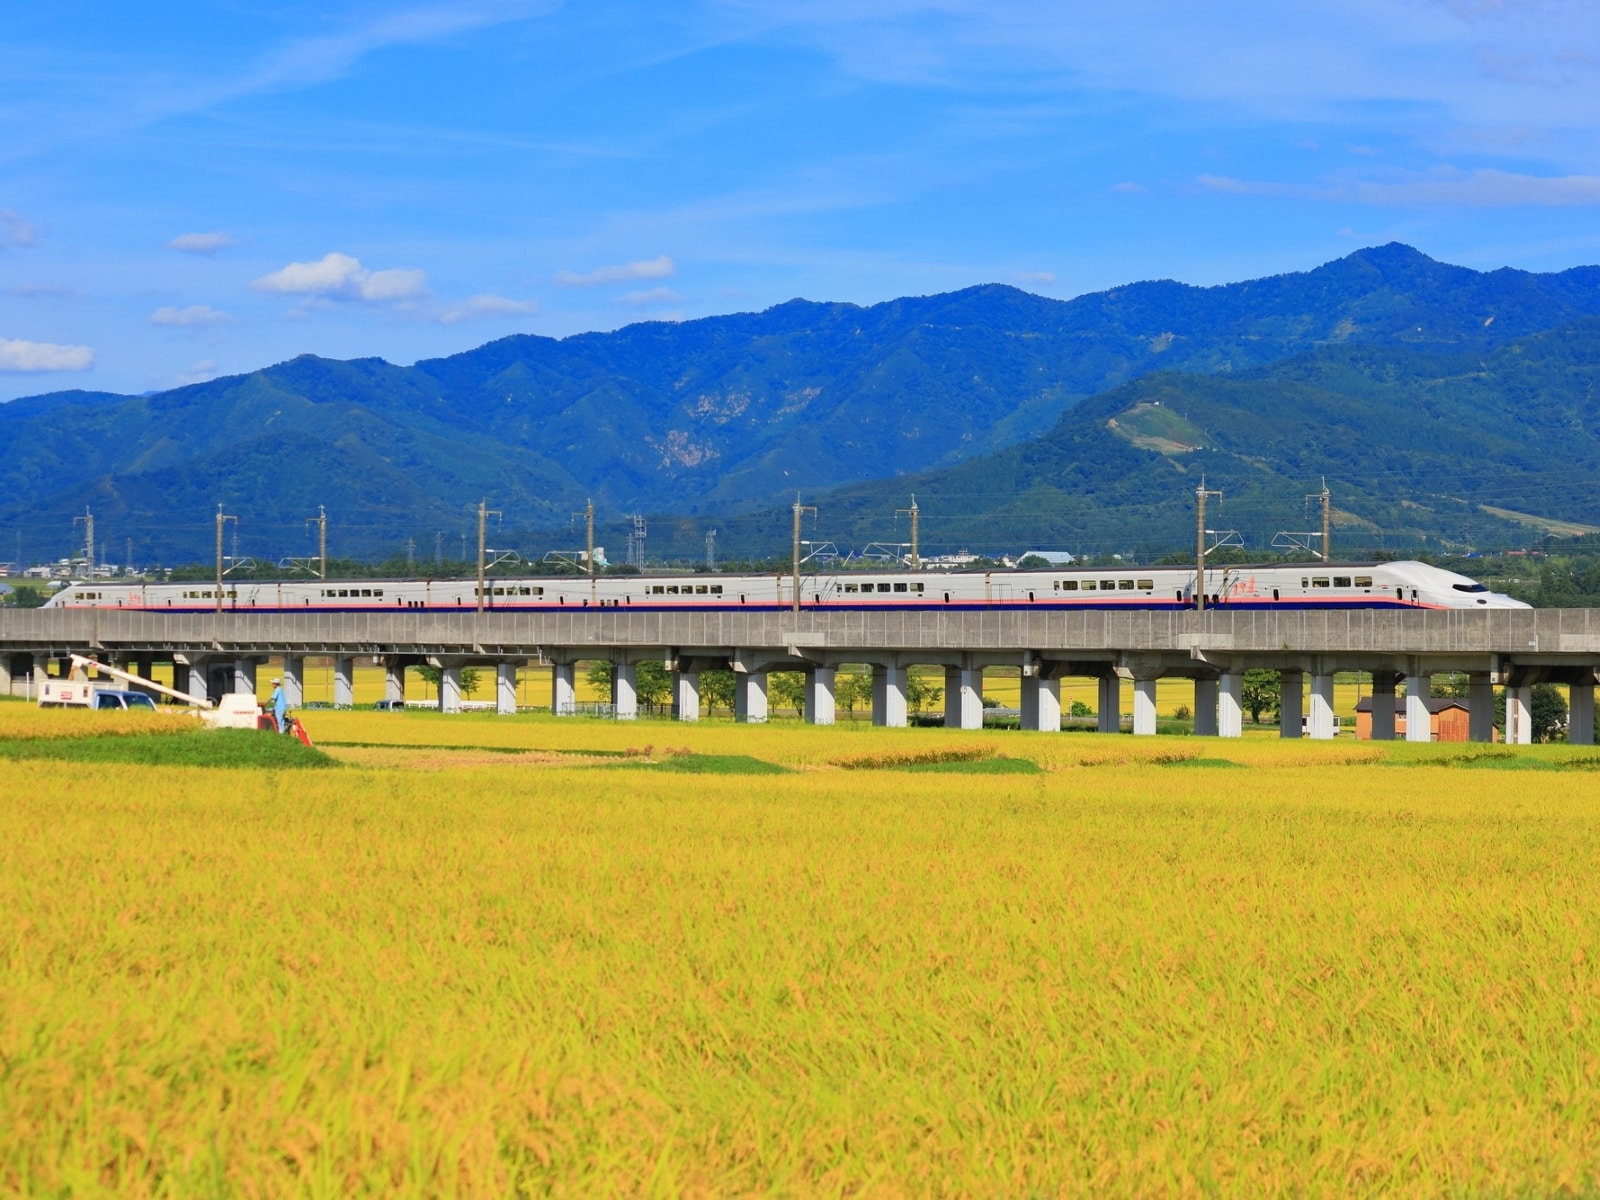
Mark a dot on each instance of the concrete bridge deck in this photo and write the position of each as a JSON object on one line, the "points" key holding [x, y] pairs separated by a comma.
{"points": [[1510, 647]]}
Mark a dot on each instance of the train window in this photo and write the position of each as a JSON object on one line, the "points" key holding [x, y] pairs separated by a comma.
{"points": [[1030, 597], [537, 591], [1125, 585], [947, 597], [1364, 581], [850, 587], [919, 588], [1469, 587], [1341, 581], [1319, 581], [1108, 585], [378, 592], [700, 589], [716, 589], [1146, 585], [344, 592], [366, 592], [1089, 585], [1274, 593], [883, 587], [672, 589], [1304, 582], [1069, 585], [900, 587]]}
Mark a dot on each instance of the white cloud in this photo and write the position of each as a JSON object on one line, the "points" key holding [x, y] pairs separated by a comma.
{"points": [[193, 315], [341, 277], [647, 299], [486, 306], [1033, 278], [650, 268], [202, 243], [14, 230], [18, 355]]}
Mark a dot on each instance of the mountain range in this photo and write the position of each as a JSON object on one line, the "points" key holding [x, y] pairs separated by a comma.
{"points": [[1444, 405]]}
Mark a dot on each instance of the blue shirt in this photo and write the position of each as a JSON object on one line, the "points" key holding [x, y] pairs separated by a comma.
{"points": [[280, 703]]}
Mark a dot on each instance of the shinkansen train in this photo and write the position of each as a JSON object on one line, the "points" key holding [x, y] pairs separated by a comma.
{"points": [[1278, 586]]}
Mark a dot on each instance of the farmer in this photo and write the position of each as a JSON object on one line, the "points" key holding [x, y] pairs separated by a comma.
{"points": [[280, 705]]}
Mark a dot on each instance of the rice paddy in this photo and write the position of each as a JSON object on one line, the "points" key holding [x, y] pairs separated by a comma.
{"points": [[490, 956]]}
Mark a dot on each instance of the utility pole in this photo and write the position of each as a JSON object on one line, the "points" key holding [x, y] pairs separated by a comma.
{"points": [[483, 516], [1327, 523], [222, 522], [411, 556], [913, 511], [321, 522], [638, 540], [1200, 494], [799, 510], [711, 549], [88, 537], [588, 524]]}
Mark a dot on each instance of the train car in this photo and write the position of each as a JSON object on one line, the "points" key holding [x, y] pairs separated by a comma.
{"points": [[1263, 587]]}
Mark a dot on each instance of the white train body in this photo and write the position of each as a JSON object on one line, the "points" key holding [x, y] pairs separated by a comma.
{"points": [[1273, 587]]}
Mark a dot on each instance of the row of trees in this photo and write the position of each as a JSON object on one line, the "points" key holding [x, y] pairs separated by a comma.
{"points": [[785, 689]]}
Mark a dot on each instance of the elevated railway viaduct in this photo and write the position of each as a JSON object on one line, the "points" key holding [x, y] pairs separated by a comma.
{"points": [[1513, 648]]}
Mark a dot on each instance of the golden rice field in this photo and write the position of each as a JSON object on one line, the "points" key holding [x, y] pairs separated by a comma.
{"points": [[503, 956]]}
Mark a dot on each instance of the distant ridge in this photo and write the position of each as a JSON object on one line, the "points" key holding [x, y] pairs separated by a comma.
{"points": [[709, 417]]}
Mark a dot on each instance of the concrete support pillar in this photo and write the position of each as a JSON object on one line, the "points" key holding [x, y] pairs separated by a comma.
{"points": [[564, 689], [344, 681], [1144, 707], [1519, 716], [196, 684], [394, 682], [1419, 721], [624, 692], [5, 675], [294, 680], [1580, 715], [1480, 707], [505, 691], [180, 678], [244, 676], [889, 697], [1323, 725], [750, 699], [450, 689], [1383, 684], [686, 695], [963, 698], [1205, 707], [1041, 704], [1109, 707], [819, 696], [1230, 705], [1291, 703]]}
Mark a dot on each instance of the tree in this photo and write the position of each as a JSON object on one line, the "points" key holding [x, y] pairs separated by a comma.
{"points": [[652, 682], [471, 678], [717, 689], [1547, 712], [788, 687], [1454, 684], [853, 691], [1080, 709], [1260, 690], [23, 596], [921, 694]]}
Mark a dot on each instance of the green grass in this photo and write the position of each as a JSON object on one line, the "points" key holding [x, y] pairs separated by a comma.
{"points": [[247, 748], [975, 766], [709, 764]]}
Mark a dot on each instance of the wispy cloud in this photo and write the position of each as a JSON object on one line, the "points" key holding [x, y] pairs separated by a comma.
{"points": [[43, 291], [484, 307], [650, 268], [19, 355], [1482, 187], [200, 372], [650, 298], [195, 315], [341, 277], [15, 230], [202, 243], [1034, 278]]}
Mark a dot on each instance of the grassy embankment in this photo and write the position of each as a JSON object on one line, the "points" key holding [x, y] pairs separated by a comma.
{"points": [[551, 966]]}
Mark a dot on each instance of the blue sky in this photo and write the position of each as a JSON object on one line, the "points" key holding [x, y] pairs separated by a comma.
{"points": [[189, 190]]}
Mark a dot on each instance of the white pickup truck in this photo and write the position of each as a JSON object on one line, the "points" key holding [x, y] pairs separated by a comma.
{"points": [[79, 693]]}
